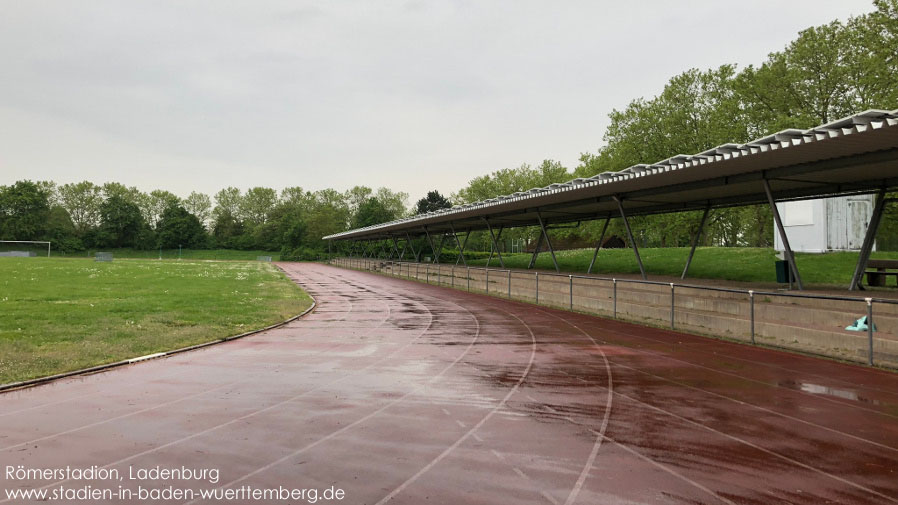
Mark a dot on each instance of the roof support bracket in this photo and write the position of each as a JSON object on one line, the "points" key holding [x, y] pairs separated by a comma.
{"points": [[542, 226], [461, 247], [432, 248], [396, 244], [869, 238], [539, 244], [495, 245], [698, 235], [623, 215], [440, 250], [408, 240], [598, 245], [790, 258]]}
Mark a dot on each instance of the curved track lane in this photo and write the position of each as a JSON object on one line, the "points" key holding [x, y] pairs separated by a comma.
{"points": [[400, 392]]}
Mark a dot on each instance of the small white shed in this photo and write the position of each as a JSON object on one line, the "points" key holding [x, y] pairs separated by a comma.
{"points": [[825, 224]]}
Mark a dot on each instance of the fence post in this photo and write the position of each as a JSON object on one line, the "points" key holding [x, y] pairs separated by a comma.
{"points": [[468, 276], [869, 330], [571, 289], [751, 313], [452, 274], [509, 284], [439, 272], [614, 290], [671, 305], [487, 281], [537, 287], [427, 273]]}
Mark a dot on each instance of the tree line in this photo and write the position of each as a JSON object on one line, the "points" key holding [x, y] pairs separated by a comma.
{"points": [[84, 215]]}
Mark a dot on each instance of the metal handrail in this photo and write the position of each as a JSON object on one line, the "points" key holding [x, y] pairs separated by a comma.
{"points": [[868, 301]]}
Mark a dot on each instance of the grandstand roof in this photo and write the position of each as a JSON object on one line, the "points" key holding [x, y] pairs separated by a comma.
{"points": [[857, 154]]}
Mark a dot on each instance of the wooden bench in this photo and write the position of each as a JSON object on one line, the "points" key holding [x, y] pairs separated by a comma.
{"points": [[879, 270]]}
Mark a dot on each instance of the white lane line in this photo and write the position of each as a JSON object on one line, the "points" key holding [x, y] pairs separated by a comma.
{"points": [[733, 437], [477, 437], [760, 448], [840, 403], [446, 412], [460, 423], [376, 412], [123, 416], [763, 409], [477, 426], [664, 468], [532, 399], [520, 472], [496, 454], [144, 358]]}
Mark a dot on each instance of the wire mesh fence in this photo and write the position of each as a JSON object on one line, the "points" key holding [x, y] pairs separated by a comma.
{"points": [[811, 323]]}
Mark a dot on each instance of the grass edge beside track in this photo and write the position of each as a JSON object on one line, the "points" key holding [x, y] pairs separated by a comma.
{"points": [[18, 385]]}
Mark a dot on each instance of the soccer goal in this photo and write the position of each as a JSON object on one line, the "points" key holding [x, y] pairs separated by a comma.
{"points": [[24, 248]]}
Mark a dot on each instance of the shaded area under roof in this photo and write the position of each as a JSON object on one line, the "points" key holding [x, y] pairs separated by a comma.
{"points": [[854, 155]]}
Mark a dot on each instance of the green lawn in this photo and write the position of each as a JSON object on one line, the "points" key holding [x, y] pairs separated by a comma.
{"points": [[65, 314], [730, 263]]}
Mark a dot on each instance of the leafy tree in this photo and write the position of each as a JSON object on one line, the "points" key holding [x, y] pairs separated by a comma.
{"points": [[227, 201], [121, 223], [257, 204], [131, 194], [226, 229], [200, 205], [432, 202], [356, 196], [393, 201], [24, 208], [152, 205], [372, 212], [61, 231], [178, 227], [82, 201]]}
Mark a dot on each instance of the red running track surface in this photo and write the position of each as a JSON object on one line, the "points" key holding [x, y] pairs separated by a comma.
{"points": [[400, 392]]}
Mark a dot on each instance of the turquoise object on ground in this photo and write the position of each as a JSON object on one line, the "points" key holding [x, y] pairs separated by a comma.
{"points": [[860, 325]]}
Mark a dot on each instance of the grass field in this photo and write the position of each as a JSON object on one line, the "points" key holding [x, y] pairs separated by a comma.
{"points": [[730, 263], [65, 314], [186, 254]]}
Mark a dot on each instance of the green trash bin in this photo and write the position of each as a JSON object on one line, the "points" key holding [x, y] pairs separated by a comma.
{"points": [[783, 272]]}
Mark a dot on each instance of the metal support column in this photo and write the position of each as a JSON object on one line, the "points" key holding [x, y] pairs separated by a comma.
{"points": [[408, 239], [461, 248], [698, 235], [542, 227], [779, 225], [442, 243], [402, 252], [539, 245], [869, 239], [598, 245], [430, 241], [623, 216], [495, 243]]}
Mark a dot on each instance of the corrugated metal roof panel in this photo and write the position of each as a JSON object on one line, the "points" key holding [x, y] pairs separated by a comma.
{"points": [[855, 136]]}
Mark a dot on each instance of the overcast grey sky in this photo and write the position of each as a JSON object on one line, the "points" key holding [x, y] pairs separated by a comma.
{"points": [[413, 95]]}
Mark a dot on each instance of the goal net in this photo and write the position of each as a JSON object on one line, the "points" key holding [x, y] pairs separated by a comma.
{"points": [[24, 248]]}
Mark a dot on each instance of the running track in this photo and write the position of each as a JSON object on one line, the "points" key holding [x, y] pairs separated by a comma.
{"points": [[400, 392]]}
